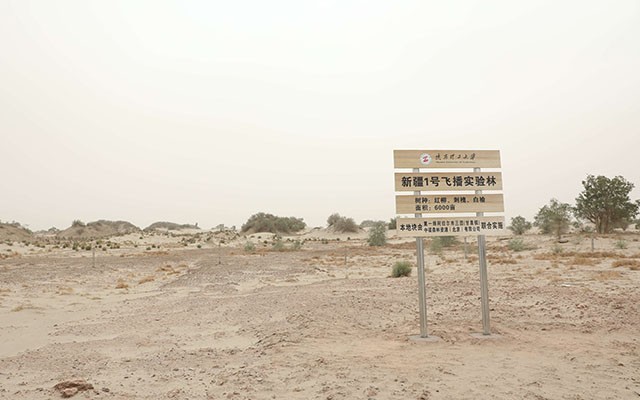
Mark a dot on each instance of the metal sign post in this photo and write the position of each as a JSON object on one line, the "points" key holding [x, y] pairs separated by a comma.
{"points": [[484, 280], [422, 290], [449, 194]]}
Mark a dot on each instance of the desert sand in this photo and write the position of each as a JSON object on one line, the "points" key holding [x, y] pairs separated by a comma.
{"points": [[162, 316]]}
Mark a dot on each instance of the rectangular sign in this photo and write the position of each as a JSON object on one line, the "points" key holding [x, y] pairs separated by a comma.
{"points": [[449, 203], [450, 181], [452, 226], [446, 158]]}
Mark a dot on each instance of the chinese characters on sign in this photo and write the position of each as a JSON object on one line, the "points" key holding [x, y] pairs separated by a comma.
{"points": [[449, 203], [446, 158], [450, 226], [468, 192], [448, 181]]}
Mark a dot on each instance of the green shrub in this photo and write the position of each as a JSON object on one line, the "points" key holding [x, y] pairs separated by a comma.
{"points": [[435, 247], [378, 235], [262, 222], [519, 225], [621, 244], [278, 245], [440, 242], [401, 268], [249, 247], [517, 244], [297, 245], [557, 249]]}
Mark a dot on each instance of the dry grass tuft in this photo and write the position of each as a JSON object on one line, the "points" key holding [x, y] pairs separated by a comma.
{"points": [[405, 246], [577, 254], [146, 279], [583, 261], [166, 268], [633, 265], [121, 284], [22, 307], [607, 275], [64, 290], [499, 259]]}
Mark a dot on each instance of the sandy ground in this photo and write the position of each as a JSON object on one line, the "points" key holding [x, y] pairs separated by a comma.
{"points": [[325, 322]]}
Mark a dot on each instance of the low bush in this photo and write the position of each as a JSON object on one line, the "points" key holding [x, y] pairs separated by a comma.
{"points": [[342, 224], [517, 244], [401, 268], [262, 222], [621, 244], [440, 242], [278, 245]]}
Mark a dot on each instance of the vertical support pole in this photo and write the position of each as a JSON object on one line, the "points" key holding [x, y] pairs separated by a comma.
{"points": [[466, 249], [592, 244], [422, 291], [484, 280], [94, 255]]}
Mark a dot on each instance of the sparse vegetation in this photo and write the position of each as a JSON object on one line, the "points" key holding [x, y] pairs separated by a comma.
{"points": [[401, 268]]}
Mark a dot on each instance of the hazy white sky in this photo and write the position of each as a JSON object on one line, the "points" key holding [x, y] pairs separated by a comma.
{"points": [[210, 111]]}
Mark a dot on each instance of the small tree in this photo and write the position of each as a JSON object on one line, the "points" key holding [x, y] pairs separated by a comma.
{"points": [[378, 234], [333, 218], [392, 223], [554, 218], [519, 225], [606, 203]]}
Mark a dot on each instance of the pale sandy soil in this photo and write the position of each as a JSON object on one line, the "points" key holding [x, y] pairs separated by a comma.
{"points": [[220, 323]]}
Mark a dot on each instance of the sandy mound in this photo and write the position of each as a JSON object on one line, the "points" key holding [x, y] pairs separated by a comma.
{"points": [[98, 229], [14, 232]]}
